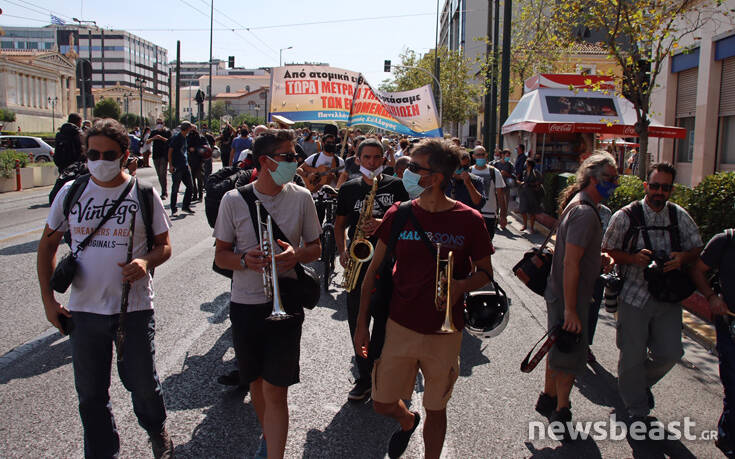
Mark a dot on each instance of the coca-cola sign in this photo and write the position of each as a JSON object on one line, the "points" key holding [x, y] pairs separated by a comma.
{"points": [[630, 131], [561, 128]]}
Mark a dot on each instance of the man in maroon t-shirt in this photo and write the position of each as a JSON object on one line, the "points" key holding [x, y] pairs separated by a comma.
{"points": [[412, 340]]}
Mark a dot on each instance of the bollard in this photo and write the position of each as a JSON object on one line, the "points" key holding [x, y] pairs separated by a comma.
{"points": [[17, 175]]}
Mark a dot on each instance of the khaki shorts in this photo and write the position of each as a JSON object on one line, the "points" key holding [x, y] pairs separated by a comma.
{"points": [[404, 353]]}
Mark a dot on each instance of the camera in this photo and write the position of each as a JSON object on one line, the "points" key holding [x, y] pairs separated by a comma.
{"points": [[656, 266], [613, 285]]}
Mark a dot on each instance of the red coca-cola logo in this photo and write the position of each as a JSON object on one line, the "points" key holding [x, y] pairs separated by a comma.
{"points": [[630, 130], [562, 128]]}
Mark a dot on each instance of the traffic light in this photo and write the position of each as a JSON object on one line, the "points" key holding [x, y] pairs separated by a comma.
{"points": [[386, 66], [231, 62]]}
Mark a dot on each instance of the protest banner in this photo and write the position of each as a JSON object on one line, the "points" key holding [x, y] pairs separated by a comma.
{"points": [[322, 94]]}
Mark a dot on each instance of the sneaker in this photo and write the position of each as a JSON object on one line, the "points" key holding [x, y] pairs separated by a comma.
{"points": [[651, 400], [161, 444], [262, 452], [399, 440], [362, 390], [545, 405], [564, 416]]}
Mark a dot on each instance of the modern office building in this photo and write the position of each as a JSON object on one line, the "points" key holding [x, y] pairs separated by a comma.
{"points": [[117, 56], [191, 71]]}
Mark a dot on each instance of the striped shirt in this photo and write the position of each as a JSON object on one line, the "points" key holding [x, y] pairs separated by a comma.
{"points": [[635, 289]]}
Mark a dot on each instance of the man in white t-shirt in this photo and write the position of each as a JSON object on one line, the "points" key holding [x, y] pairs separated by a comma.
{"points": [[95, 302], [493, 182], [322, 164], [267, 351]]}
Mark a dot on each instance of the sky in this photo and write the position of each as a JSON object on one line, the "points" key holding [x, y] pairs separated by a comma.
{"points": [[353, 35]]}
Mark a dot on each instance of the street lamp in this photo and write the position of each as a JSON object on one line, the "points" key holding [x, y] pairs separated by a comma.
{"points": [[139, 82], [53, 112], [280, 55]]}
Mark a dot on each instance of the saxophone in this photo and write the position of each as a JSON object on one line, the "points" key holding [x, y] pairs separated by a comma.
{"points": [[361, 249]]}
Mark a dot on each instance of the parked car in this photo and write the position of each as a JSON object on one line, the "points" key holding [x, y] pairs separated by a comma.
{"points": [[36, 149]]}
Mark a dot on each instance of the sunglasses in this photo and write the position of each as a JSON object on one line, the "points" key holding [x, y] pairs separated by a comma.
{"points": [[665, 187], [288, 157], [109, 155], [415, 168]]}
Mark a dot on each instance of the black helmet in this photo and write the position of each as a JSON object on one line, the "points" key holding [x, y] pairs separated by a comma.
{"points": [[486, 312]]}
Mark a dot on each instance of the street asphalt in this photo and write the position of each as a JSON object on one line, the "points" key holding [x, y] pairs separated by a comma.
{"points": [[489, 413]]}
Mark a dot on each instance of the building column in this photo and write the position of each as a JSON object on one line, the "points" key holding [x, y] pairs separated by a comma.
{"points": [[708, 105]]}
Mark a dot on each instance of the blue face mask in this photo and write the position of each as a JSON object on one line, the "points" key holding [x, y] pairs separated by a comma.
{"points": [[606, 189], [285, 171], [411, 183], [481, 162], [507, 159]]}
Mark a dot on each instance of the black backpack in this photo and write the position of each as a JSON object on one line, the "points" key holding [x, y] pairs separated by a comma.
{"points": [[219, 183], [672, 286], [145, 198], [72, 172], [63, 149]]}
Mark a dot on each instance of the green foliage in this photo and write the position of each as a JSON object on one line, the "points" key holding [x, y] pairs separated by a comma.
{"points": [[711, 204], [248, 119], [681, 195], [460, 97], [7, 162], [7, 115], [630, 189], [130, 120], [107, 108]]}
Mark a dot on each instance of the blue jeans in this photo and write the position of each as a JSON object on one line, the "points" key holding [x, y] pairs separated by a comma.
{"points": [[91, 350], [726, 351], [181, 174]]}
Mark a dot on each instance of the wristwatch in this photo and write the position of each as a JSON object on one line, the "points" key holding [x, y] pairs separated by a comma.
{"points": [[242, 262]]}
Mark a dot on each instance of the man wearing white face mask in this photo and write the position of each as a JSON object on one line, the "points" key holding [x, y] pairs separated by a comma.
{"points": [[350, 201], [100, 224], [267, 351]]}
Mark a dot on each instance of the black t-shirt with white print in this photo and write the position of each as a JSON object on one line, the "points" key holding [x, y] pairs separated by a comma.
{"points": [[353, 193]]}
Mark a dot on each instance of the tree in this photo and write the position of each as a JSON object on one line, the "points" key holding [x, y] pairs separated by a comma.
{"points": [[106, 108], [130, 120], [460, 97], [638, 36], [219, 109], [7, 115]]}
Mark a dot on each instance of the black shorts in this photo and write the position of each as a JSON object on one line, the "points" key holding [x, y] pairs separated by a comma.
{"points": [[490, 225], [263, 348]]}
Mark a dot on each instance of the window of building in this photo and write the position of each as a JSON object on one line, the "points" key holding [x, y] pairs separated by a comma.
{"points": [[227, 89], [6, 45], [727, 140], [685, 146], [31, 45]]}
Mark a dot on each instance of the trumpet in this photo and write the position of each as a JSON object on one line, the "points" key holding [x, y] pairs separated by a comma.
{"points": [[361, 249], [270, 273], [443, 294]]}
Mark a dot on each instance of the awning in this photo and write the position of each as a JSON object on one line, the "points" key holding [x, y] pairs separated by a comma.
{"points": [[562, 111]]}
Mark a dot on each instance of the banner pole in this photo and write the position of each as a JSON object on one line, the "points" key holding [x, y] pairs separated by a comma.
{"points": [[349, 117]]}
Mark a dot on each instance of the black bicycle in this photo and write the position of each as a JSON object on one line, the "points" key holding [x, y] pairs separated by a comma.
{"points": [[326, 199]]}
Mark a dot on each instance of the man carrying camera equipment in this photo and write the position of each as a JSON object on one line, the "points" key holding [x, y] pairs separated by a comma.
{"points": [[350, 201], [653, 241], [267, 351], [102, 241], [414, 336], [575, 268], [719, 254]]}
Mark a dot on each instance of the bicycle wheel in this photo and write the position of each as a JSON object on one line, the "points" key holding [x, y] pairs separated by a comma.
{"points": [[328, 245]]}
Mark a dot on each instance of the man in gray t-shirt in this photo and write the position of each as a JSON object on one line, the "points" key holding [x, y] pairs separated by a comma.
{"points": [[267, 351], [575, 268]]}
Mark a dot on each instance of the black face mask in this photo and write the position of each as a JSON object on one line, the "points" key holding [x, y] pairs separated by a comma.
{"points": [[330, 147]]}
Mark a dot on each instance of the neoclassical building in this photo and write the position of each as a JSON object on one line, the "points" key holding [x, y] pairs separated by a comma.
{"points": [[36, 84]]}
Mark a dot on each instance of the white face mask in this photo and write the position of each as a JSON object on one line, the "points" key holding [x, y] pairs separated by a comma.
{"points": [[104, 171], [370, 174], [159, 126]]}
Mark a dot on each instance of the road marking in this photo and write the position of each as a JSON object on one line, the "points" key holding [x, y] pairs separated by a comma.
{"points": [[24, 233]]}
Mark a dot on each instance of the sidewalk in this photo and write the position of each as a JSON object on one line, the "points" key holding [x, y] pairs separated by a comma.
{"points": [[696, 317]]}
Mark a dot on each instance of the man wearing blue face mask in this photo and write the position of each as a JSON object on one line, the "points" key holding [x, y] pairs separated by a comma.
{"points": [[267, 351], [92, 315], [466, 187], [494, 185], [412, 338]]}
